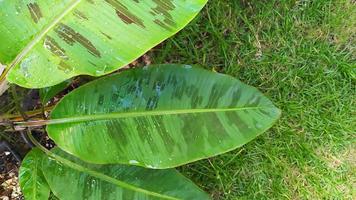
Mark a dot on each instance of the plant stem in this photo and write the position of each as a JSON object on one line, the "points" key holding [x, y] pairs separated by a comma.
{"points": [[18, 117], [23, 114]]}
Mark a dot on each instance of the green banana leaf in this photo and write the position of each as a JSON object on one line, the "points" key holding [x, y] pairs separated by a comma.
{"points": [[32, 182], [44, 42], [159, 117], [79, 180]]}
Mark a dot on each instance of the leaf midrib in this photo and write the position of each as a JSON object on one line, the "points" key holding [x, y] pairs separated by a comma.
{"points": [[43, 33], [108, 116]]}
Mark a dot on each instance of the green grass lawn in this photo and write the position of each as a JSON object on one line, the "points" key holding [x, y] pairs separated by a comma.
{"points": [[301, 54]]}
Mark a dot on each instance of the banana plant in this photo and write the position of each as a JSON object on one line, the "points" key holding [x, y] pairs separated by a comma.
{"points": [[119, 137]]}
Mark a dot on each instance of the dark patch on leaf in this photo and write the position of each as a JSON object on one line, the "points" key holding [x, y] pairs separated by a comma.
{"points": [[235, 119], [35, 12], [179, 89], [70, 36], [216, 127], [163, 8], [143, 128], [162, 130], [106, 35], [80, 15], [215, 95], [152, 103], [101, 100], [254, 101], [269, 114], [124, 14], [92, 63], [54, 48], [161, 24], [65, 67], [117, 133], [236, 95]]}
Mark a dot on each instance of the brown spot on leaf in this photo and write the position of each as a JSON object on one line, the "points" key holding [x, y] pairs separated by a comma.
{"points": [[35, 11], [124, 14], [54, 47], [161, 24], [70, 36], [163, 8], [80, 15], [65, 67], [106, 35]]}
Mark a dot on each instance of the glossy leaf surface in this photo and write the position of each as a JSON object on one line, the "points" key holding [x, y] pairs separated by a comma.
{"points": [[116, 182], [160, 117], [32, 182], [48, 41]]}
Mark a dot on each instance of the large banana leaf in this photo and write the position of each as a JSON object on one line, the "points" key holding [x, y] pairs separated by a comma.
{"points": [[32, 182], [79, 180], [44, 42], [159, 117]]}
